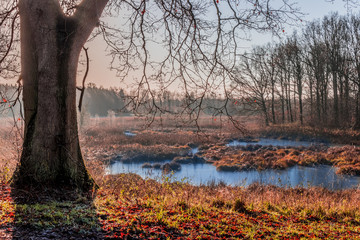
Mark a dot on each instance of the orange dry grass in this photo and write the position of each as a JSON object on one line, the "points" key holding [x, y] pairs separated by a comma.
{"points": [[303, 201], [10, 150], [297, 132], [346, 158]]}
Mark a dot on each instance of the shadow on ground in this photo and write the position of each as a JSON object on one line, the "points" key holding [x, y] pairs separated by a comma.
{"points": [[61, 214]]}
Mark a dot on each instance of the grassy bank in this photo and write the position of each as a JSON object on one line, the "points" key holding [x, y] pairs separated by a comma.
{"points": [[216, 212], [128, 207]]}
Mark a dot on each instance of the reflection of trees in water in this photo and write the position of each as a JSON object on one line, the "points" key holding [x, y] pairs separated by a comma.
{"points": [[199, 174]]}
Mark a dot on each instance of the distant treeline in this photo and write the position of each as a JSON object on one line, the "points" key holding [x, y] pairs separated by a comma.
{"points": [[311, 78], [97, 101], [102, 102]]}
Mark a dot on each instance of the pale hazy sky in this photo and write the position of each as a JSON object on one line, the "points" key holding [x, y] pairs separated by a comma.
{"points": [[99, 66], [100, 73]]}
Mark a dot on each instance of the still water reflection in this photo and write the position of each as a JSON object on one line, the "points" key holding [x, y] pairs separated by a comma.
{"points": [[198, 174], [275, 142]]}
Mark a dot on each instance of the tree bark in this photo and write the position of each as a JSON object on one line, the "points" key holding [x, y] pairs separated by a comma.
{"points": [[282, 98], [346, 100], [356, 125], [50, 46], [264, 110], [311, 99], [300, 103], [336, 99], [273, 100]]}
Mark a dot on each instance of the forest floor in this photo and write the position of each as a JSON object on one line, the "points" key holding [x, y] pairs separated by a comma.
{"points": [[129, 207]]}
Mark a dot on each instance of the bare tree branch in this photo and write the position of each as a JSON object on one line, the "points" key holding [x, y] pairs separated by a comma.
{"points": [[82, 89]]}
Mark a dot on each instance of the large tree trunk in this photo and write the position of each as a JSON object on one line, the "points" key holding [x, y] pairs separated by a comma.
{"points": [[50, 46]]}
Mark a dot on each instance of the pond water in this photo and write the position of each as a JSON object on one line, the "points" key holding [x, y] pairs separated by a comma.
{"points": [[275, 142], [203, 173], [129, 133], [194, 151], [198, 174]]}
